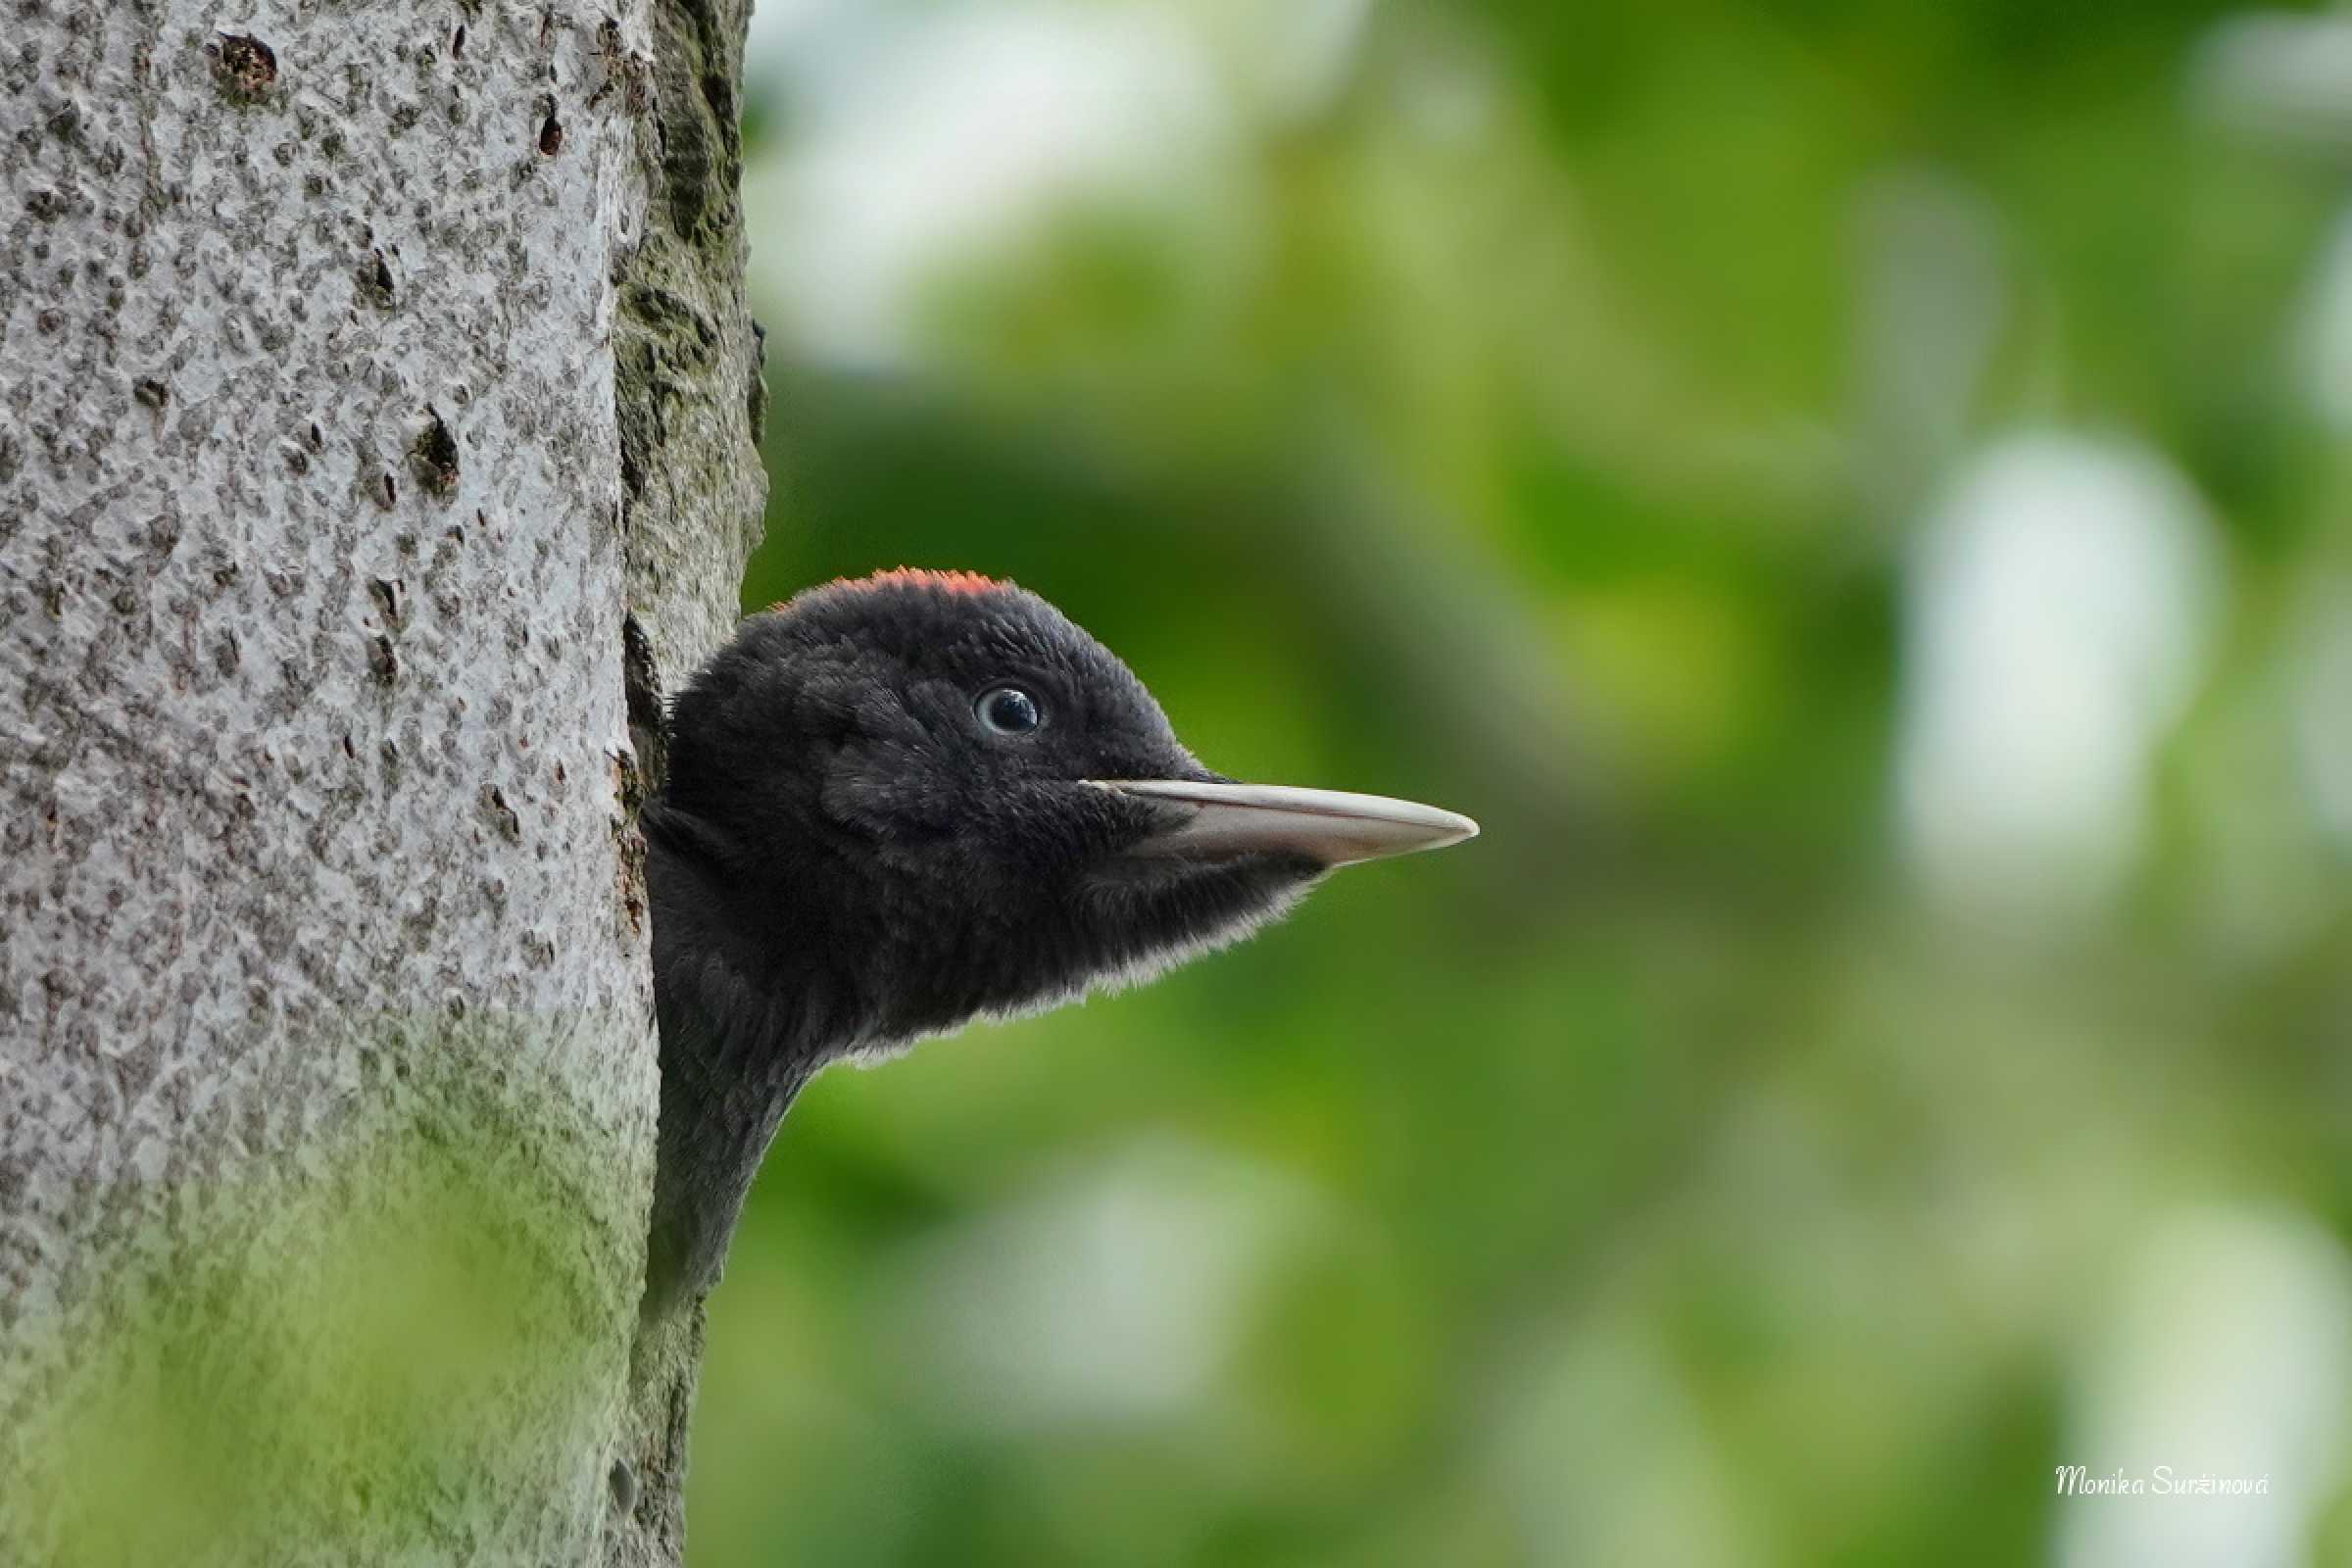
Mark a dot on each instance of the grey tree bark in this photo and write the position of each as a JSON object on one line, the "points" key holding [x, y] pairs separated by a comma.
{"points": [[378, 421]]}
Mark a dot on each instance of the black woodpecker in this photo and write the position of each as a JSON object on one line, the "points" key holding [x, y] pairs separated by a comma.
{"points": [[898, 804]]}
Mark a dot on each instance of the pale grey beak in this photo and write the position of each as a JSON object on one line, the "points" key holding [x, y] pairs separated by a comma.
{"points": [[1331, 826]]}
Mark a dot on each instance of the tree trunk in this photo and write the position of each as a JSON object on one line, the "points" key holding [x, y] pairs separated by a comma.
{"points": [[378, 430]]}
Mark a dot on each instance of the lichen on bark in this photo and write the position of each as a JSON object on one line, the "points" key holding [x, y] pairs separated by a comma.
{"points": [[689, 400]]}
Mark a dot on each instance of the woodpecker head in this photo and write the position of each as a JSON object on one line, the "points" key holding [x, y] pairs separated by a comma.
{"points": [[921, 797]]}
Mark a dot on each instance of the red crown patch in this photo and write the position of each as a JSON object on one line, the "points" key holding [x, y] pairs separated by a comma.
{"points": [[952, 582]]}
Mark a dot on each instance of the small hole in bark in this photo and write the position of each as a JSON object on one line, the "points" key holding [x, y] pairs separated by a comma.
{"points": [[623, 1481], [376, 279], [550, 136], [244, 66], [502, 814], [317, 441], [436, 455], [391, 491], [457, 42], [386, 591]]}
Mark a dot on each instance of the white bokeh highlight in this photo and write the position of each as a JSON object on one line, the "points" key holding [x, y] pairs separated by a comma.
{"points": [[2321, 713], [921, 140], [1601, 1453], [2226, 1351], [1106, 1296], [2057, 605], [2277, 77], [2325, 339]]}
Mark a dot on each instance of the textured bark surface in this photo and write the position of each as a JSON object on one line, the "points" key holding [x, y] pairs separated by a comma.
{"points": [[375, 430]]}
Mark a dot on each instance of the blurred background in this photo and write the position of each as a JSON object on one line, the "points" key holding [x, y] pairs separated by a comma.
{"points": [[1853, 497]]}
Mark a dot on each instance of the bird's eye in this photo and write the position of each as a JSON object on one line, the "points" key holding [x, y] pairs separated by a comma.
{"points": [[1010, 710]]}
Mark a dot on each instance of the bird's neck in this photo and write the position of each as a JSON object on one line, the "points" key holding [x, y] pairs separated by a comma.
{"points": [[754, 948], [743, 1026]]}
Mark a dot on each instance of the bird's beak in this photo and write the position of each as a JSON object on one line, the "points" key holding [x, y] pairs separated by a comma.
{"points": [[1331, 826]]}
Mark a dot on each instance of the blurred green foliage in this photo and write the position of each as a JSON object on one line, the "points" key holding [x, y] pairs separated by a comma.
{"points": [[1540, 416], [366, 1357]]}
